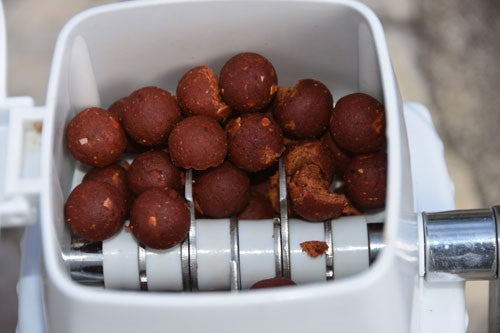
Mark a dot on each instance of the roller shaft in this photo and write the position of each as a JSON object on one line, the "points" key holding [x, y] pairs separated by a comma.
{"points": [[231, 254]]}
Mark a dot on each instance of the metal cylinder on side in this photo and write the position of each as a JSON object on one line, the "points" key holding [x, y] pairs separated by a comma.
{"points": [[461, 244]]}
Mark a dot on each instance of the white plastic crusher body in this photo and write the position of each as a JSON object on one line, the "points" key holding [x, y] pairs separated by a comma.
{"points": [[106, 52]]}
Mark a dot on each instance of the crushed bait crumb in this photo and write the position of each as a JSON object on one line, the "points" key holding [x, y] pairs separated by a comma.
{"points": [[314, 248]]}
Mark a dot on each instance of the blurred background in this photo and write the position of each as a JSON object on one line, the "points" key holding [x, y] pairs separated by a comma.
{"points": [[445, 54]]}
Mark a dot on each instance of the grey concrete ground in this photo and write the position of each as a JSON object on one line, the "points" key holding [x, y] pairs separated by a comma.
{"points": [[445, 55]]}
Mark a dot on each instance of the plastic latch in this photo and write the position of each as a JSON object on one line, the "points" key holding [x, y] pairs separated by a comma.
{"points": [[20, 145]]}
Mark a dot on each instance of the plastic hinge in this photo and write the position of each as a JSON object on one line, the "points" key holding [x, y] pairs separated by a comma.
{"points": [[19, 196]]}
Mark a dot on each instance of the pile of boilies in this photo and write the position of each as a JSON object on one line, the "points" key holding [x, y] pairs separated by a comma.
{"points": [[231, 131]]}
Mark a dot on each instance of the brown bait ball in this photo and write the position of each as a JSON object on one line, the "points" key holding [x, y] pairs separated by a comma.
{"points": [[154, 169], [95, 211], [269, 189], [198, 94], [248, 82], [151, 115], [340, 157], [274, 282], [221, 192], [95, 137], [114, 175], [262, 187], [117, 110], [160, 218], [198, 142], [311, 197], [366, 180], [309, 152], [350, 209], [258, 208], [255, 142], [305, 110], [358, 124], [280, 97]]}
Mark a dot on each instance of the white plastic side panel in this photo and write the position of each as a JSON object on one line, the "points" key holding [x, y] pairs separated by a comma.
{"points": [[368, 71], [437, 307], [440, 307], [82, 82], [429, 171]]}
